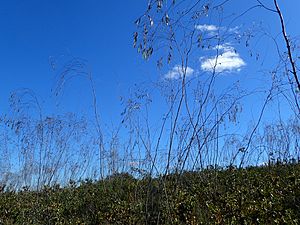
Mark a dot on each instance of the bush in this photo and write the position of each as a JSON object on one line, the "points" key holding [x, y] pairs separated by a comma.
{"points": [[255, 195]]}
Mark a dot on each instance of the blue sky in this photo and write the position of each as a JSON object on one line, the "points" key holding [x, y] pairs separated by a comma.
{"points": [[100, 32], [38, 37]]}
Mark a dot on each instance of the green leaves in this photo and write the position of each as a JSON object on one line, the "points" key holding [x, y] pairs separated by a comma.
{"points": [[257, 195]]}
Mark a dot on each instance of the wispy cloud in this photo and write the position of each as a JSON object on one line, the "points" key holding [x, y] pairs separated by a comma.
{"points": [[177, 72], [211, 29], [206, 27], [227, 60]]}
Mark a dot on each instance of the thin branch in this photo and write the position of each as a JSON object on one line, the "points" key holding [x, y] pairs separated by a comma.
{"points": [[288, 44]]}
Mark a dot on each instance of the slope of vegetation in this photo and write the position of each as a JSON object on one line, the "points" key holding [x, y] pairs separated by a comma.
{"points": [[255, 195]]}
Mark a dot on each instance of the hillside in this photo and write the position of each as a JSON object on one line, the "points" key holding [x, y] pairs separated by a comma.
{"points": [[255, 195]]}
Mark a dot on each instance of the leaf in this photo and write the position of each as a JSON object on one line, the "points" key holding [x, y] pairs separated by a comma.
{"points": [[150, 51], [160, 63], [167, 19], [139, 48], [169, 57], [135, 37], [151, 21], [138, 21], [145, 54], [149, 6], [199, 39], [159, 4]]}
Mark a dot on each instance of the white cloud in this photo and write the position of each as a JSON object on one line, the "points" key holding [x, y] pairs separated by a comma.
{"points": [[178, 71], [227, 60], [234, 29], [212, 30], [206, 27]]}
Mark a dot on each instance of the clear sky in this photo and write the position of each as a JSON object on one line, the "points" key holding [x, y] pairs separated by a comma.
{"points": [[98, 31], [32, 32]]}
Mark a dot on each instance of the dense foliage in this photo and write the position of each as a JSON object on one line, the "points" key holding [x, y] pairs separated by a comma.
{"points": [[255, 195]]}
